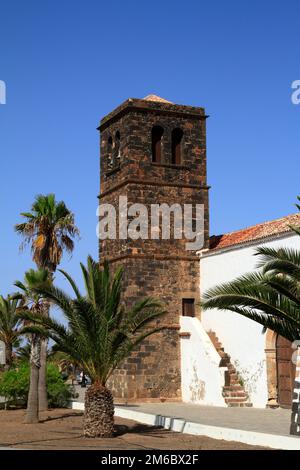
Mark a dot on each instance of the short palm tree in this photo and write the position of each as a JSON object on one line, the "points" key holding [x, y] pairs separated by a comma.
{"points": [[101, 333], [10, 326], [32, 303], [49, 229], [270, 297]]}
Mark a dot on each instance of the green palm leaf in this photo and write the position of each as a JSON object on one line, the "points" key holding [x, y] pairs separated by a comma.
{"points": [[101, 332]]}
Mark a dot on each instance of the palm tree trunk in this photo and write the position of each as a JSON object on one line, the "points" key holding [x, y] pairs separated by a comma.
{"points": [[99, 412], [295, 418], [42, 385], [43, 398], [32, 412], [8, 356]]}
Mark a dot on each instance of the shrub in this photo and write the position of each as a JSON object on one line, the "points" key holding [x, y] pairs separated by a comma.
{"points": [[14, 386], [59, 393]]}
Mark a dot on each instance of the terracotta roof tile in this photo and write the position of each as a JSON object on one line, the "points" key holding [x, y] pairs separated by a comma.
{"points": [[256, 232]]}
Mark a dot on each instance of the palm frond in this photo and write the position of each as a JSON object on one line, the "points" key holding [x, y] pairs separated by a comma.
{"points": [[49, 230], [270, 297], [100, 330]]}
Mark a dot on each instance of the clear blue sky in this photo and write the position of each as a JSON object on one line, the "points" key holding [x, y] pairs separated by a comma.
{"points": [[68, 63]]}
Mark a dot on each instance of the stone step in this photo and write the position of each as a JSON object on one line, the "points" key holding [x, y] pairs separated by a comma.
{"points": [[212, 336], [233, 391], [233, 383], [245, 404], [224, 355], [233, 376], [242, 395], [233, 388], [233, 401]]}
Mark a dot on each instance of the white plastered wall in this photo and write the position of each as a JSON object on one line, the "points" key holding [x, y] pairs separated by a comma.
{"points": [[242, 338], [202, 379]]}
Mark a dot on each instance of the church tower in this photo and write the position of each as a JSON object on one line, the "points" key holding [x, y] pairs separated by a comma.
{"points": [[154, 152]]}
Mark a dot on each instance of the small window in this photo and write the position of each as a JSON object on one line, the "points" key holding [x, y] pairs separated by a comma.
{"points": [[188, 307], [176, 146], [117, 147], [109, 151], [109, 144], [118, 138], [157, 133]]}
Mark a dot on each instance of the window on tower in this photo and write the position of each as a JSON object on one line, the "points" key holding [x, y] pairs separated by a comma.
{"points": [[188, 307], [176, 140], [109, 143], [117, 147], [157, 133], [109, 151]]}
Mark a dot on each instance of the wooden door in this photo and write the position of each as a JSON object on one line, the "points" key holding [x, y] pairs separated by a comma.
{"points": [[188, 307], [285, 371]]}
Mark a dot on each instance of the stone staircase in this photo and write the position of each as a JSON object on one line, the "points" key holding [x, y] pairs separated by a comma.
{"points": [[234, 392]]}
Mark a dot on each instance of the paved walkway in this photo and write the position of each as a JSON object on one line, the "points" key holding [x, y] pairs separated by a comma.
{"points": [[272, 421]]}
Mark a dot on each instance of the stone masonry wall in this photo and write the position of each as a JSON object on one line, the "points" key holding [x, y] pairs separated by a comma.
{"points": [[158, 268]]}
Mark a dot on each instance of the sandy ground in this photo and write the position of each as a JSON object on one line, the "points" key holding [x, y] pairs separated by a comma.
{"points": [[62, 429]]}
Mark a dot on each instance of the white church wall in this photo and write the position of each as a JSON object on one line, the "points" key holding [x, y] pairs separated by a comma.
{"points": [[202, 379], [242, 338]]}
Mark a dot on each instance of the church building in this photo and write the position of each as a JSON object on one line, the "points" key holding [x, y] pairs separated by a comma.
{"points": [[153, 151]]}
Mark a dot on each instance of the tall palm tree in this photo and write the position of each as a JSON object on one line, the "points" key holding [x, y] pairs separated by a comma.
{"points": [[33, 303], [270, 297], [10, 326], [101, 333], [49, 229]]}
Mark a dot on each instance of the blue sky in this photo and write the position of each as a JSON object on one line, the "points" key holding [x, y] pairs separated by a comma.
{"points": [[68, 63]]}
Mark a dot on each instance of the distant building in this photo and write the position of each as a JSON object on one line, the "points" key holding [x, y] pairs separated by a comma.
{"points": [[2, 353]]}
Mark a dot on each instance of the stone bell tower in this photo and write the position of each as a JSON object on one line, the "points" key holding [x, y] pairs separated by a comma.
{"points": [[154, 152]]}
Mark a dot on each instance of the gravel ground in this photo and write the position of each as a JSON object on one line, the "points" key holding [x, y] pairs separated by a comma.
{"points": [[62, 429]]}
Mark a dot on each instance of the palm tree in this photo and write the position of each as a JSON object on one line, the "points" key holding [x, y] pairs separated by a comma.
{"points": [[23, 352], [32, 303], [101, 333], [10, 326], [270, 297], [64, 363], [49, 229]]}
